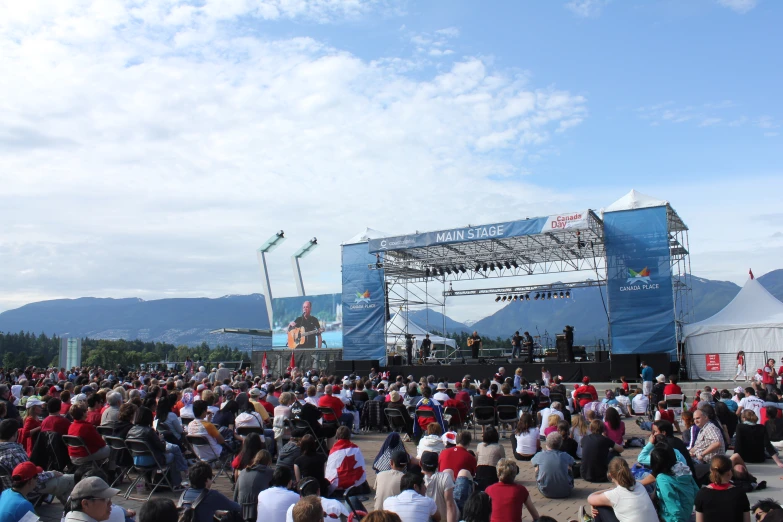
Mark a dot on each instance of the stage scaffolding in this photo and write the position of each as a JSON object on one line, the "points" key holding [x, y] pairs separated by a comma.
{"points": [[421, 278], [679, 251]]}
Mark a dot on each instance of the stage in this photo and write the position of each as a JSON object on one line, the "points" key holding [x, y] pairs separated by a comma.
{"points": [[570, 372]]}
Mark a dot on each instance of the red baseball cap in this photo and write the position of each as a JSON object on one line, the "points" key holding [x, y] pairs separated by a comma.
{"points": [[458, 385], [585, 379], [25, 471]]}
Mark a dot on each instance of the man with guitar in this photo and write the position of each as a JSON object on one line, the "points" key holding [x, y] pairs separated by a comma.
{"points": [[305, 329], [528, 344], [474, 342]]}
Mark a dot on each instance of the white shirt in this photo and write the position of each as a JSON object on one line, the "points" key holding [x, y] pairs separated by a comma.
{"points": [[527, 443], [411, 507], [273, 504], [330, 507], [441, 397], [640, 403], [546, 412], [752, 403], [632, 506]]}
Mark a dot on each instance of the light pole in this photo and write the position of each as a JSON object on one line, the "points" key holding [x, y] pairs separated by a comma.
{"points": [[299, 254], [271, 243]]}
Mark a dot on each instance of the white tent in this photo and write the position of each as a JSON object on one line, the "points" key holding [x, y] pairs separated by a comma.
{"points": [[364, 236], [751, 322], [396, 330], [634, 200]]}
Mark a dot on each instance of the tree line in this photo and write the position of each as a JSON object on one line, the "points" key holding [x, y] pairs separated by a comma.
{"points": [[23, 349]]}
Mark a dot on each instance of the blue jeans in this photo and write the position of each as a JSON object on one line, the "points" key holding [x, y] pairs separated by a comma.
{"points": [[646, 425], [463, 487]]}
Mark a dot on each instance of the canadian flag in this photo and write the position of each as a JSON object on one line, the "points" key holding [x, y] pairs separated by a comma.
{"points": [[264, 366], [345, 467], [292, 364], [751, 273]]}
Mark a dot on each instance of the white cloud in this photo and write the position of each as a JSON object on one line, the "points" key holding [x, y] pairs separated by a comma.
{"points": [[740, 6], [587, 8], [147, 151]]}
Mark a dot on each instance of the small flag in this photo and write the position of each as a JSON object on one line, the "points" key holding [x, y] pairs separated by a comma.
{"points": [[292, 364], [264, 366], [751, 273]]}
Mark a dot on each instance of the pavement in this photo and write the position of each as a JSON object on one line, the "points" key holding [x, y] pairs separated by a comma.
{"points": [[559, 509]]}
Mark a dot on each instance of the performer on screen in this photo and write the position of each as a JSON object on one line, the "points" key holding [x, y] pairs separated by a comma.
{"points": [[425, 347], [310, 324], [528, 344], [474, 341], [516, 345]]}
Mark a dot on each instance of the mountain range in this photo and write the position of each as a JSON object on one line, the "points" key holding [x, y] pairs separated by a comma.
{"points": [[190, 320]]}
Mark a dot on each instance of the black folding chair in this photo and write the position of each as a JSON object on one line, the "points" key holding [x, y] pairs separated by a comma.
{"points": [[507, 415], [329, 411], [73, 441], [105, 430], [304, 426], [454, 413], [139, 449], [244, 431], [483, 416], [199, 441], [396, 420], [120, 448], [558, 397]]}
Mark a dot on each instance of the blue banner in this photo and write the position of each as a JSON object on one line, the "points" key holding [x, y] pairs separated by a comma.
{"points": [[364, 311], [641, 302], [525, 227]]}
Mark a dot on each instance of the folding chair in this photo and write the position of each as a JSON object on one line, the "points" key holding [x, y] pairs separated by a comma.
{"points": [[483, 416], [119, 446], [244, 431], [507, 415], [329, 411], [186, 420], [396, 420], [140, 448], [558, 397], [454, 413], [105, 430], [301, 425], [73, 441], [199, 441], [674, 403]]}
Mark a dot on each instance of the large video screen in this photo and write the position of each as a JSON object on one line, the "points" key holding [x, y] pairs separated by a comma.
{"points": [[308, 317]]}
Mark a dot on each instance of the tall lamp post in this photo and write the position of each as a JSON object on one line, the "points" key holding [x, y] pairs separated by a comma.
{"points": [[299, 254], [271, 243]]}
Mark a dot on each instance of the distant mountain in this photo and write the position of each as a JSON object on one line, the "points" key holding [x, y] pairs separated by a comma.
{"points": [[189, 321]]}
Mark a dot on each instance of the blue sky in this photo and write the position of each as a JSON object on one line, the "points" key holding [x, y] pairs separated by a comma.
{"points": [[147, 148]]}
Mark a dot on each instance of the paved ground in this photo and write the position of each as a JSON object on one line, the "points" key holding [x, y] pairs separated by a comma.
{"points": [[561, 509]]}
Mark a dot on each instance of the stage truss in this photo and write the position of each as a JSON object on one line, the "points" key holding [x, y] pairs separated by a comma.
{"points": [[679, 251]]}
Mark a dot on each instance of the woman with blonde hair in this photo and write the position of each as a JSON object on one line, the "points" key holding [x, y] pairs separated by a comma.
{"points": [[551, 424], [626, 502], [721, 501], [579, 429], [518, 379]]}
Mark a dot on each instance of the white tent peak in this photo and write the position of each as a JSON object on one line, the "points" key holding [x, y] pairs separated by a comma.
{"points": [[364, 236], [752, 307], [400, 324], [634, 200]]}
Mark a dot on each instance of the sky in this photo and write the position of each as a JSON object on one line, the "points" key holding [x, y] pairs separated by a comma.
{"points": [[147, 149]]}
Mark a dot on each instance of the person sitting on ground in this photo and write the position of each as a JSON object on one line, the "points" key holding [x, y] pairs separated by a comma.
{"points": [[662, 413], [774, 427], [553, 469], [91, 500], [674, 486], [431, 441], [330, 509], [508, 497], [273, 502], [14, 505], [440, 486], [614, 427], [526, 438], [579, 428], [478, 508], [569, 445], [597, 451], [345, 465], [690, 431], [488, 453], [96, 450], [387, 483], [252, 480], [551, 424], [626, 502], [721, 501], [211, 501], [767, 510], [709, 443], [751, 441], [640, 403], [157, 510], [411, 504]]}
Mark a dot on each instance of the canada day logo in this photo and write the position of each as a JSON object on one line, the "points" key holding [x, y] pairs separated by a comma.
{"points": [[362, 297], [642, 276]]}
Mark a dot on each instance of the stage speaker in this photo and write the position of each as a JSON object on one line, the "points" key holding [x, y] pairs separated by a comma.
{"points": [[363, 366], [343, 367], [551, 359], [602, 356], [472, 361], [395, 360], [517, 362]]}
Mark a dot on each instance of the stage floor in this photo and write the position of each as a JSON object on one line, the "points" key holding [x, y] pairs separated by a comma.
{"points": [[570, 372]]}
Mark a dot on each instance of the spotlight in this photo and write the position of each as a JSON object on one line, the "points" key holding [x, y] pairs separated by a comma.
{"points": [[562, 295], [492, 266], [516, 297], [568, 294], [427, 272], [497, 299], [447, 269], [549, 295], [485, 267], [537, 296], [462, 269], [504, 299], [478, 267], [508, 265], [514, 264], [554, 296], [527, 297]]}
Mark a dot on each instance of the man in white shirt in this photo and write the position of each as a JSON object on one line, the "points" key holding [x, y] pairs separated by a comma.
{"points": [[411, 505], [555, 409], [440, 395], [750, 402], [273, 503], [332, 509], [387, 483], [640, 403]]}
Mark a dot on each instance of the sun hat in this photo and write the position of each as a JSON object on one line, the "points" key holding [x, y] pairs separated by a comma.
{"points": [[661, 378], [254, 392], [442, 386], [394, 396], [33, 402]]}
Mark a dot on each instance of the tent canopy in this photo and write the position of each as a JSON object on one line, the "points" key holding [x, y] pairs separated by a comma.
{"points": [[364, 236], [634, 200], [397, 329], [753, 307]]}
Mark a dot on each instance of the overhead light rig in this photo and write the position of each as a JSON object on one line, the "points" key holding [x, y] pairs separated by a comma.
{"points": [[529, 292]]}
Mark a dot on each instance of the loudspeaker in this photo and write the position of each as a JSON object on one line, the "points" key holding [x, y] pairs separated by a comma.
{"points": [[551, 358], [395, 360], [343, 367], [363, 366], [602, 356]]}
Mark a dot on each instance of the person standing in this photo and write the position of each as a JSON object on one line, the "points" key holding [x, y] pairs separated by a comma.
{"points": [[648, 375], [409, 348], [426, 346], [741, 366], [474, 341], [769, 378], [528, 344], [516, 345]]}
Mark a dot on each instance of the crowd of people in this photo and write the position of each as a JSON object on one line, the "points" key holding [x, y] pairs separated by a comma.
{"points": [[286, 445]]}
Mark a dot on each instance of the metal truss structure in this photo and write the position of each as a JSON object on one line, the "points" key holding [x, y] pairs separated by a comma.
{"points": [[679, 251]]}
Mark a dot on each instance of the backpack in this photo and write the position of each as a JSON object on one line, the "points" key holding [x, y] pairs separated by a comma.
{"points": [[187, 509]]}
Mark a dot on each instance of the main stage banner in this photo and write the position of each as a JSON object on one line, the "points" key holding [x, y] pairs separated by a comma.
{"points": [[364, 311], [526, 227], [641, 302]]}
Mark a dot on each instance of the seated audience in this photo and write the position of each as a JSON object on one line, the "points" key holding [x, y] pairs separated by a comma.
{"points": [[488, 453], [597, 451], [411, 505], [273, 502], [96, 450], [508, 497], [721, 501], [553, 469], [626, 502], [345, 465], [431, 441], [201, 477], [526, 438]]}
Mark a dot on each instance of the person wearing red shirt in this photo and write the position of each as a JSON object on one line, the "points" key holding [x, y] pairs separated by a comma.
{"points": [[461, 407], [330, 401], [98, 450], [458, 458], [61, 376], [586, 387], [55, 421], [462, 394], [508, 497], [94, 412], [672, 388], [65, 402]]}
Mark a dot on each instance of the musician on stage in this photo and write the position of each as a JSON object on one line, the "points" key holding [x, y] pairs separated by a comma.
{"points": [[426, 345], [475, 344], [569, 335], [409, 348], [310, 324], [516, 345], [528, 344]]}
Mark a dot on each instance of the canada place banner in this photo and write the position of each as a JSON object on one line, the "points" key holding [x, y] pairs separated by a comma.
{"points": [[363, 306], [641, 304]]}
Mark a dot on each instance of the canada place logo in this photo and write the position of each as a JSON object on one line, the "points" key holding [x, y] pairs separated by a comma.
{"points": [[642, 276], [362, 297]]}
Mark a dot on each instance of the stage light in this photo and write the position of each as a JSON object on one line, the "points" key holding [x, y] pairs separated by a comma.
{"points": [[448, 270], [537, 296], [462, 269], [562, 295], [514, 264], [478, 267], [427, 272], [554, 296], [568, 294], [516, 297], [497, 299], [492, 266], [527, 297], [508, 265], [485, 266], [549, 295]]}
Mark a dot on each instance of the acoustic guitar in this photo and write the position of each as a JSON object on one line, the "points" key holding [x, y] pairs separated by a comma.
{"points": [[471, 341], [297, 336]]}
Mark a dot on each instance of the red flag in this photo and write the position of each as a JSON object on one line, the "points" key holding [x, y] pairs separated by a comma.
{"points": [[264, 366], [292, 364], [751, 273]]}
